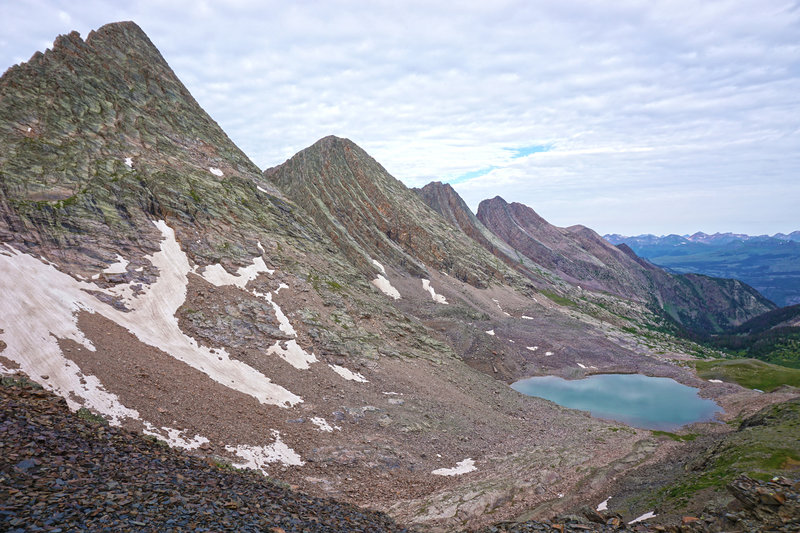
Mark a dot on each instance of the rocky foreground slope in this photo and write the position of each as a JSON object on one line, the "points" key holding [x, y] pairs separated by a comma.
{"points": [[63, 471]]}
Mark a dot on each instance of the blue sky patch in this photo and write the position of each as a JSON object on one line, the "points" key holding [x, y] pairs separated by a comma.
{"points": [[516, 153], [472, 174]]}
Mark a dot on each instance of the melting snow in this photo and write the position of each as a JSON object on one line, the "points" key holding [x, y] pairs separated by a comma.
{"points": [[715, 381], [603, 506], [39, 307], [129, 162], [117, 268], [379, 267], [438, 298], [218, 276], [527, 317], [490, 332], [386, 287], [462, 467], [293, 354], [348, 374], [580, 365], [260, 188], [548, 353], [322, 424], [258, 457], [216, 171], [645, 516], [174, 437], [289, 351], [532, 348], [43, 301]]}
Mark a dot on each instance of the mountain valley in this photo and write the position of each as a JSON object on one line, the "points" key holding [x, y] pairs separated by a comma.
{"points": [[323, 324]]}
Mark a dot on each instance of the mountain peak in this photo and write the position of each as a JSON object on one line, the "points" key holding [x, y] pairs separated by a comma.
{"points": [[371, 215]]}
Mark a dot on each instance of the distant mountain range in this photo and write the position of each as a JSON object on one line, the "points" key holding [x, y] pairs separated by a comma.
{"points": [[770, 264]]}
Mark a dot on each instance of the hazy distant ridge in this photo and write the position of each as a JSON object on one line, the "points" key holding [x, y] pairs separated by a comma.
{"points": [[771, 264]]}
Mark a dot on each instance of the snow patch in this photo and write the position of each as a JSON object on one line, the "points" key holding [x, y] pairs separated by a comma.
{"points": [[462, 467], [348, 374], [216, 171], [120, 267], [174, 437], [490, 332], [293, 354], [715, 381], [532, 348], [603, 506], [258, 457], [438, 298], [379, 267], [580, 365], [262, 189], [129, 162], [548, 353], [527, 317], [322, 424], [218, 276], [39, 308], [645, 516], [42, 303], [386, 287]]}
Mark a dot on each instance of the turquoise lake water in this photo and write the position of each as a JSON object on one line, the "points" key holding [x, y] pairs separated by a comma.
{"points": [[640, 401]]}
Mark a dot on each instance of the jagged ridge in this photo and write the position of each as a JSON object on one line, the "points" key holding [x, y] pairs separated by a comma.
{"points": [[370, 214]]}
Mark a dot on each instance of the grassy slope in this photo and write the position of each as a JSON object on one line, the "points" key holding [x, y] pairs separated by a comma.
{"points": [[765, 445], [750, 373]]}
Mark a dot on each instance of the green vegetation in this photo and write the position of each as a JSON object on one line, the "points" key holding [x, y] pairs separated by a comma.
{"points": [[334, 286], [560, 300], [766, 337], [750, 373], [674, 436], [91, 417], [765, 445], [18, 381]]}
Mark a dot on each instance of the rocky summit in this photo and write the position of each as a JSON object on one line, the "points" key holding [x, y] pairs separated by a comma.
{"points": [[318, 323]]}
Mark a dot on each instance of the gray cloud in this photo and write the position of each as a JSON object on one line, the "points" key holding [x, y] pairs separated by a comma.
{"points": [[661, 116]]}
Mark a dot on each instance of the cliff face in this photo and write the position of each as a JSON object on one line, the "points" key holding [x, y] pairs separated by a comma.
{"points": [[581, 256], [371, 215]]}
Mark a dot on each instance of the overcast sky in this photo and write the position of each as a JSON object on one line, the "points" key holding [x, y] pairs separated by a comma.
{"points": [[627, 117]]}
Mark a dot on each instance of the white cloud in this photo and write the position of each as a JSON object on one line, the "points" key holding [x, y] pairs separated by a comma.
{"points": [[639, 101]]}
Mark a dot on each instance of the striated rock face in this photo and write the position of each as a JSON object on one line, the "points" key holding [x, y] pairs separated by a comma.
{"points": [[576, 253], [100, 138], [581, 256], [369, 214], [443, 199]]}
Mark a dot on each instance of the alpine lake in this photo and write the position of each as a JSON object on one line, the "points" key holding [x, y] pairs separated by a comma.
{"points": [[634, 399]]}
